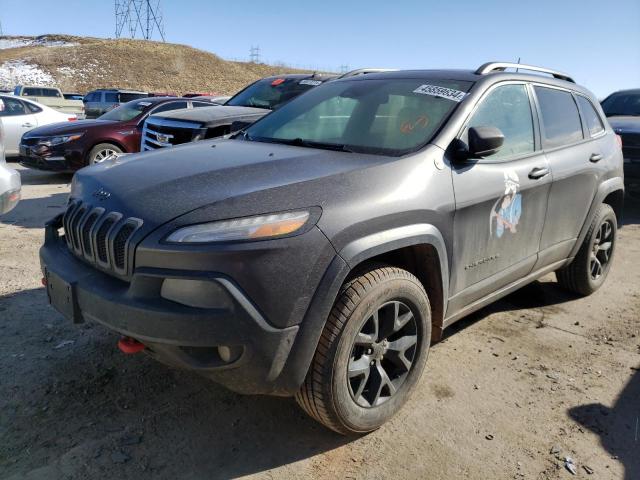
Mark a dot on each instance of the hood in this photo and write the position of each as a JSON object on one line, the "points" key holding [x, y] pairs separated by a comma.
{"points": [[66, 127], [160, 185], [212, 114], [625, 124]]}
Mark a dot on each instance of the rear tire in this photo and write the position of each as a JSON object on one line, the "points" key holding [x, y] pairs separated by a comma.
{"points": [[371, 352], [589, 269], [102, 151]]}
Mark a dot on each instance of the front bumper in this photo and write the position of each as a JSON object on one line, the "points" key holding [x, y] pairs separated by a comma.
{"points": [[57, 159], [174, 333]]}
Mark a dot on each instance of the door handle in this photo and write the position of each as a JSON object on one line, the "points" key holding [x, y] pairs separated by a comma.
{"points": [[538, 173], [28, 125], [595, 157]]}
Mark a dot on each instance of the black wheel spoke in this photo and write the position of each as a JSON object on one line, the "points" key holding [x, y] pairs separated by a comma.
{"points": [[382, 354]]}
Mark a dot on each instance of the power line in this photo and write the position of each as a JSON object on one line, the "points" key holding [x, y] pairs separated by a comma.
{"points": [[142, 15]]}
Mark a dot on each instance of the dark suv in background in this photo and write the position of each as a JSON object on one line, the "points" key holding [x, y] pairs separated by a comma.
{"points": [[244, 108], [319, 252], [623, 111], [98, 102]]}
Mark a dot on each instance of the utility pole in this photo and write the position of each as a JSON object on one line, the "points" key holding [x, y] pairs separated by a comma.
{"points": [[254, 54], [344, 68]]}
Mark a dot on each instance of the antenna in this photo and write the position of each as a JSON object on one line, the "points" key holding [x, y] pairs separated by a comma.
{"points": [[254, 54], [518, 64], [143, 14]]}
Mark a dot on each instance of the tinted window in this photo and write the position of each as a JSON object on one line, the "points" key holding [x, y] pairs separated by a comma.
{"points": [[50, 92], [591, 117], [110, 97], [203, 104], [12, 106], [33, 108], [271, 93], [170, 106], [389, 117], [622, 104], [32, 92], [560, 117], [127, 97], [127, 111], [507, 108]]}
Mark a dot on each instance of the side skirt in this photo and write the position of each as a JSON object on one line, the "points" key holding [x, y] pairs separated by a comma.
{"points": [[504, 291]]}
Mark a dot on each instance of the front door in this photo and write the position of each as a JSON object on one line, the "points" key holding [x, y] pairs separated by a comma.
{"points": [[501, 200], [17, 119]]}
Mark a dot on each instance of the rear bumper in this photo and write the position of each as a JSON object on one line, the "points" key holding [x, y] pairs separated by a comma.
{"points": [[260, 358]]}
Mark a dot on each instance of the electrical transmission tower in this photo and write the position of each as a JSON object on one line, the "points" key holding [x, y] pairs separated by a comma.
{"points": [[142, 16], [254, 54]]}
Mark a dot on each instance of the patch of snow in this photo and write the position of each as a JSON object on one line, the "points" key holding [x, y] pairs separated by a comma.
{"points": [[6, 43], [19, 72]]}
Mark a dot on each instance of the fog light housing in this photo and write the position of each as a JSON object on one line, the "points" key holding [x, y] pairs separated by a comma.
{"points": [[196, 293]]}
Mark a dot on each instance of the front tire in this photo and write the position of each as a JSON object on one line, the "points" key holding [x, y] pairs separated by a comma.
{"points": [[371, 352], [589, 269], [102, 151]]}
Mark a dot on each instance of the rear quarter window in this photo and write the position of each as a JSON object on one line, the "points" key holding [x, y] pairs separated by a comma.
{"points": [[560, 117], [591, 117]]}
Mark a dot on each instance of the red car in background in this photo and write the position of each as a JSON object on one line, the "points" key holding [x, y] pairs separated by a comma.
{"points": [[67, 147]]}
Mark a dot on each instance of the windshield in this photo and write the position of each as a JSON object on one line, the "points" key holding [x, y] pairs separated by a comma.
{"points": [[390, 116], [270, 93], [127, 111], [622, 104]]}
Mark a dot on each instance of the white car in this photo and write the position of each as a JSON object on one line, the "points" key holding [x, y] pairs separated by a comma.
{"points": [[9, 178], [21, 115]]}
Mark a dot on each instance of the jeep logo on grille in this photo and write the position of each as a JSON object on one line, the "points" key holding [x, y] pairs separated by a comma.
{"points": [[101, 194]]}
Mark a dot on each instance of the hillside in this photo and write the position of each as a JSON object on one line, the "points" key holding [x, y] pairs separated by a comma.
{"points": [[81, 64]]}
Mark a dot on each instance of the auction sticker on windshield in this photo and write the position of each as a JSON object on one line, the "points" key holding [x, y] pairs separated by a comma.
{"points": [[435, 91]]}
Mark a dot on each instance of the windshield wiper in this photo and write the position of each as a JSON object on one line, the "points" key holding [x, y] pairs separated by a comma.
{"points": [[301, 142]]}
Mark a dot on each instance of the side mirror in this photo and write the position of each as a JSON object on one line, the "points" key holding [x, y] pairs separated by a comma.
{"points": [[484, 141]]}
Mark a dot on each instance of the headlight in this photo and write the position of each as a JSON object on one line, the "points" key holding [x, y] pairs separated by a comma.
{"points": [[51, 141], [247, 228]]}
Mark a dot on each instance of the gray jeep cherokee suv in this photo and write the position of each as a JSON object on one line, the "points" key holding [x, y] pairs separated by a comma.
{"points": [[321, 250]]}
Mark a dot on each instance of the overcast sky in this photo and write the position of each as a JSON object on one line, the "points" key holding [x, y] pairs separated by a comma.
{"points": [[595, 41]]}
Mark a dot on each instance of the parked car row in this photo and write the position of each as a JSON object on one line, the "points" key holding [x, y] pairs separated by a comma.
{"points": [[318, 251]]}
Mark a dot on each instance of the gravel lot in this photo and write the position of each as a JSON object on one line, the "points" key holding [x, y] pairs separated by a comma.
{"points": [[509, 393]]}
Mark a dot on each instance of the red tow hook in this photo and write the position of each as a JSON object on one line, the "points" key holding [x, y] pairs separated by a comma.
{"points": [[129, 346]]}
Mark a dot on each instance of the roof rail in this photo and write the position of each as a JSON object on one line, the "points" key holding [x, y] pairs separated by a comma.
{"points": [[502, 66], [364, 71]]}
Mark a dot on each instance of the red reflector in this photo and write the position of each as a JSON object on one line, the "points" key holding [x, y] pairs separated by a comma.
{"points": [[72, 119], [277, 82], [130, 345], [43, 281]]}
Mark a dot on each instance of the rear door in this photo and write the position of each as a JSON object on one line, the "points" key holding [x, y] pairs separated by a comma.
{"points": [[92, 104], [501, 200], [575, 158], [17, 120]]}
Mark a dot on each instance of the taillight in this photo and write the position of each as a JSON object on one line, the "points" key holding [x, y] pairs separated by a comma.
{"points": [[72, 119], [619, 140]]}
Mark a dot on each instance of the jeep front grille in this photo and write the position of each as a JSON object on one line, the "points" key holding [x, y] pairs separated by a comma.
{"points": [[161, 132], [100, 238]]}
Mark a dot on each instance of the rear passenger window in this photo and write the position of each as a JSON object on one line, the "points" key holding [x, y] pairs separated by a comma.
{"points": [[591, 117], [560, 117], [110, 97], [33, 108], [507, 108]]}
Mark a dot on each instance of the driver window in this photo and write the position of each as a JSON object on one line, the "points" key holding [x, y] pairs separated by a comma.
{"points": [[507, 108]]}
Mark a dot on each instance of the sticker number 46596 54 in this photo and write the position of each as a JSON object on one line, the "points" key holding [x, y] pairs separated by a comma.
{"points": [[435, 91]]}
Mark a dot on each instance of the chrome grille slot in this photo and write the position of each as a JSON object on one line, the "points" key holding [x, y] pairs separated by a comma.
{"points": [[100, 237]]}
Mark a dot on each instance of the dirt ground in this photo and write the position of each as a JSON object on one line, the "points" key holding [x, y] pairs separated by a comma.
{"points": [[509, 393]]}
